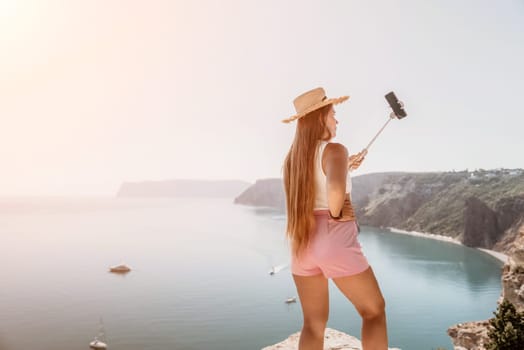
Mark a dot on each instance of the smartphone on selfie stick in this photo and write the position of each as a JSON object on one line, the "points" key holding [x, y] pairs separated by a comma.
{"points": [[396, 105]]}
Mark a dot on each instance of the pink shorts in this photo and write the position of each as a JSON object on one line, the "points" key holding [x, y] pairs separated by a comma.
{"points": [[333, 250]]}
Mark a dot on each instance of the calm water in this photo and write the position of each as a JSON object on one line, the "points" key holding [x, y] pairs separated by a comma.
{"points": [[200, 278]]}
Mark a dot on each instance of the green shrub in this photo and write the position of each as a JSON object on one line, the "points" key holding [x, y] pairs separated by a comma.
{"points": [[507, 328]]}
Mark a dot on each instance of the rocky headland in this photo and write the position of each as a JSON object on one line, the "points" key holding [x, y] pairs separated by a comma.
{"points": [[482, 209], [264, 193]]}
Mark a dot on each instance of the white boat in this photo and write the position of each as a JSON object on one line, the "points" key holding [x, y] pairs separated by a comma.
{"points": [[291, 300], [277, 268], [122, 268], [97, 344]]}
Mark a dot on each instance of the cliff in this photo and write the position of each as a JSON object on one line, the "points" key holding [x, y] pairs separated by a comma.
{"points": [[474, 335], [333, 340], [182, 188], [513, 274], [481, 208]]}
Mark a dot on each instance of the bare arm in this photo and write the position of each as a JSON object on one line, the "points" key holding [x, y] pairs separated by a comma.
{"points": [[335, 163]]}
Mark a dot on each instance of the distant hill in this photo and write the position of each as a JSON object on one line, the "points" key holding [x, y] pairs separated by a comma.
{"points": [[182, 188], [483, 208], [264, 193]]}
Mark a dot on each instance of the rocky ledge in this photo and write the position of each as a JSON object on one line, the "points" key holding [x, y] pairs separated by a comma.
{"points": [[333, 340], [469, 335]]}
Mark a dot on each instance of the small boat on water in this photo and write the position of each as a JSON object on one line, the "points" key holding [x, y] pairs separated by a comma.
{"points": [[277, 268], [291, 300], [98, 344], [122, 268]]}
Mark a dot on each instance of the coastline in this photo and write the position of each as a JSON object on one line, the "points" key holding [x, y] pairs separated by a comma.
{"points": [[497, 255]]}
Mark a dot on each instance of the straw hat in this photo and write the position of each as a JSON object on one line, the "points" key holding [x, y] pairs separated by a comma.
{"points": [[311, 101]]}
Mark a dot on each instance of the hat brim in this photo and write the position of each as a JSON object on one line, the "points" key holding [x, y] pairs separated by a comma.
{"points": [[334, 101]]}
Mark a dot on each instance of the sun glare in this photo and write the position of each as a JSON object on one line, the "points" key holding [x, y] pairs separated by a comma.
{"points": [[8, 10], [15, 17]]}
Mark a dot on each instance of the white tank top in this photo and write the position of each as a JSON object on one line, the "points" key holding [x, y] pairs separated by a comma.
{"points": [[321, 200]]}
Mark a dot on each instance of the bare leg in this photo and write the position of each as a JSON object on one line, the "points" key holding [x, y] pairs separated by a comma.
{"points": [[363, 291], [314, 299]]}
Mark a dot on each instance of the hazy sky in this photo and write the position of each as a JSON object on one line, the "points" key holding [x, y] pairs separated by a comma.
{"points": [[94, 93]]}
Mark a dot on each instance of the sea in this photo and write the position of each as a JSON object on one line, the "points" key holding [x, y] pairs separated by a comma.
{"points": [[200, 279]]}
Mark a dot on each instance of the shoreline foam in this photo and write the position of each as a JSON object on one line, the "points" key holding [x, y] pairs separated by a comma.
{"points": [[498, 255]]}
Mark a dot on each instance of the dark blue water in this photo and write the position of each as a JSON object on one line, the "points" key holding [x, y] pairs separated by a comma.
{"points": [[200, 277]]}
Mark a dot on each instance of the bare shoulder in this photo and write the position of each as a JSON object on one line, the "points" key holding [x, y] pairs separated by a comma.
{"points": [[335, 157], [335, 151]]}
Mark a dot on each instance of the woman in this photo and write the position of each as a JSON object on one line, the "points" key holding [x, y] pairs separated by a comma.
{"points": [[322, 228]]}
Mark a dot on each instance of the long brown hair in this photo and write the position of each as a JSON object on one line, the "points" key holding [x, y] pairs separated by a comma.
{"points": [[299, 177]]}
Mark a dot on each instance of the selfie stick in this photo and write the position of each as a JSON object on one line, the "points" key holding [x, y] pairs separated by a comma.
{"points": [[398, 112]]}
